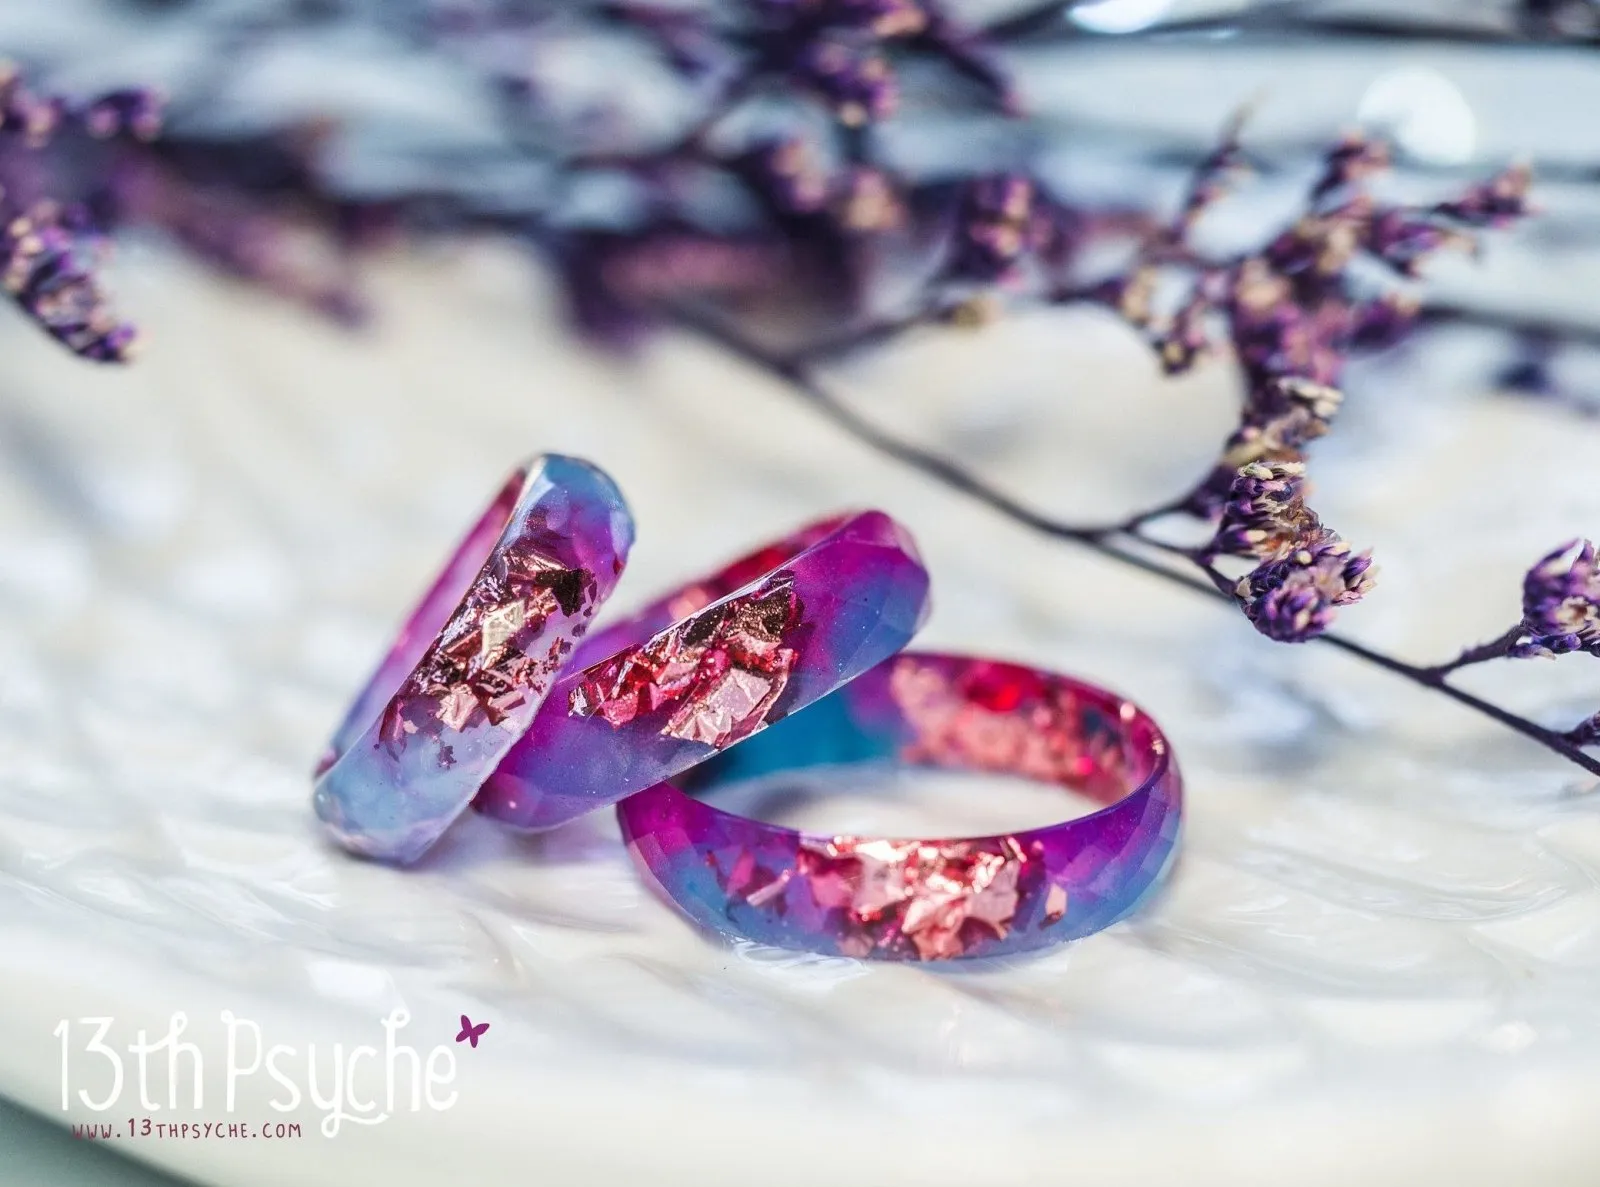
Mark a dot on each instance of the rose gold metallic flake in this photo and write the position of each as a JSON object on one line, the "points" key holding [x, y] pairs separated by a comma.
{"points": [[721, 670], [954, 728], [925, 891], [477, 669]]}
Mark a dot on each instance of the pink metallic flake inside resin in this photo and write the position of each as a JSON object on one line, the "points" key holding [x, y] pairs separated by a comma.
{"points": [[489, 660], [920, 899], [923, 890], [712, 665], [475, 660], [720, 671]]}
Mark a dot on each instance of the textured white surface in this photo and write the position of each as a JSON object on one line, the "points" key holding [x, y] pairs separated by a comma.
{"points": [[1379, 960]]}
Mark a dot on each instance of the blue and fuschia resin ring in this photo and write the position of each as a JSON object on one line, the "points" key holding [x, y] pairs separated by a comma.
{"points": [[475, 660], [709, 665], [927, 899]]}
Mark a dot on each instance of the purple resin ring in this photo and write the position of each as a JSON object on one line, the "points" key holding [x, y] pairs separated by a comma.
{"points": [[927, 899], [712, 664], [475, 660]]}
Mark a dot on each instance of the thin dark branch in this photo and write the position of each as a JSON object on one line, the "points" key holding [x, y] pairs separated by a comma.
{"points": [[1496, 648], [1114, 543]]}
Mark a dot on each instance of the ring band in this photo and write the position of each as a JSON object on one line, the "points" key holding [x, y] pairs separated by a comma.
{"points": [[927, 899], [475, 660], [711, 664]]}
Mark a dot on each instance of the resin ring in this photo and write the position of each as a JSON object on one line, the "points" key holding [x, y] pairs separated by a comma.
{"points": [[475, 660], [927, 899], [711, 664]]}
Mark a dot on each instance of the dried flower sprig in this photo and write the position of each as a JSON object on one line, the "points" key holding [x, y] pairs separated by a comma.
{"points": [[1255, 497], [1560, 616], [1561, 603], [51, 247], [1296, 309], [832, 215], [1305, 569], [1292, 311], [1560, 611]]}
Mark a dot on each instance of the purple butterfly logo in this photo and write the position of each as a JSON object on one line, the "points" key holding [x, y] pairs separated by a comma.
{"points": [[471, 1033]]}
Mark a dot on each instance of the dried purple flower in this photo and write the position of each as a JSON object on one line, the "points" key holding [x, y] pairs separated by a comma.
{"points": [[51, 249], [1294, 309], [1585, 733], [867, 202], [1561, 603], [1320, 246], [1294, 598], [1384, 321], [23, 113], [48, 262], [1002, 222], [1132, 295], [1279, 419], [1403, 240], [38, 118], [883, 18], [1277, 332], [1306, 569], [1265, 515], [135, 112], [1494, 203], [790, 174], [880, 18], [1283, 417], [852, 76], [1350, 163]]}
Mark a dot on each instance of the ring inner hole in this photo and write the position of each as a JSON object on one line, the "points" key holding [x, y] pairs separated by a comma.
{"points": [[806, 773], [891, 800]]}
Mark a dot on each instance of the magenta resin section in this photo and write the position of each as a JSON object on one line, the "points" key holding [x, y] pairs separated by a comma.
{"points": [[918, 899], [708, 666], [475, 660]]}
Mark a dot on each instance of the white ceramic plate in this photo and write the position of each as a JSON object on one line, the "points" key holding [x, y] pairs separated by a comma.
{"points": [[1379, 960]]}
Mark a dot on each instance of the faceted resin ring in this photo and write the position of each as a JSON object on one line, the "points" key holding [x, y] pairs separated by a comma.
{"points": [[711, 664], [927, 899], [475, 660]]}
